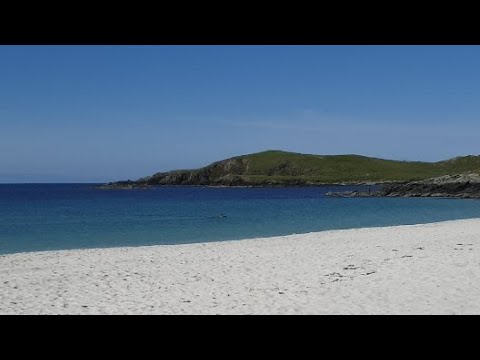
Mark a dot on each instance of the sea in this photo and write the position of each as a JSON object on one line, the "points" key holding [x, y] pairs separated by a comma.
{"points": [[41, 217]]}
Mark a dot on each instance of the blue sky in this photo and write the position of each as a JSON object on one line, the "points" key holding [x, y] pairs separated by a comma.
{"points": [[103, 113]]}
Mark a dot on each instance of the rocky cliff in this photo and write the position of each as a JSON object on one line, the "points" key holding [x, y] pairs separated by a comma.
{"points": [[464, 186], [458, 186]]}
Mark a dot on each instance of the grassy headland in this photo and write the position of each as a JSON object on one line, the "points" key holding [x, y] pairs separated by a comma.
{"points": [[280, 168]]}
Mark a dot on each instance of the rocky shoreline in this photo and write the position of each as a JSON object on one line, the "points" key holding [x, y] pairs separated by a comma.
{"points": [[464, 186], [133, 185]]}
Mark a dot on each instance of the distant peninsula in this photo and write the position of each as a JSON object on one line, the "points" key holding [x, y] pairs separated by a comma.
{"points": [[279, 168]]}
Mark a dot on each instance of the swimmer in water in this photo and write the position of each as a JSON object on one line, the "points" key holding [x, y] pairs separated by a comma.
{"points": [[223, 216]]}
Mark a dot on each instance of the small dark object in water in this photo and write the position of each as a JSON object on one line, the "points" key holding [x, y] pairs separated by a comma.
{"points": [[222, 215]]}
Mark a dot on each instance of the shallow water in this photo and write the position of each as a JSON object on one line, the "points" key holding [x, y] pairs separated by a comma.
{"points": [[72, 216]]}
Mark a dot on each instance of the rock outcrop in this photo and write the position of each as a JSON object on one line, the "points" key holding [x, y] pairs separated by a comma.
{"points": [[463, 186], [352, 194], [457, 186]]}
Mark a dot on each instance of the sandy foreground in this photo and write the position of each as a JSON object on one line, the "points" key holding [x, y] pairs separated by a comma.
{"points": [[420, 269]]}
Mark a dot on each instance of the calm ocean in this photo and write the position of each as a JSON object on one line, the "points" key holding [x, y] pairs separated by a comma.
{"points": [[73, 216]]}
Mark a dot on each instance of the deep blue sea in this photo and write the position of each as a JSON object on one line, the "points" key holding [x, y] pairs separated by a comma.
{"points": [[73, 216]]}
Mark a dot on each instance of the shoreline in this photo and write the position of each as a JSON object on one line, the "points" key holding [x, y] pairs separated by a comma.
{"points": [[147, 187], [267, 238], [406, 269]]}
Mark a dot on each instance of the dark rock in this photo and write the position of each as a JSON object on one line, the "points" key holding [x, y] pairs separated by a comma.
{"points": [[458, 186], [463, 186]]}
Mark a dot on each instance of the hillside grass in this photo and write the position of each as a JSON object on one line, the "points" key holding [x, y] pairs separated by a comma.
{"points": [[287, 168], [349, 168]]}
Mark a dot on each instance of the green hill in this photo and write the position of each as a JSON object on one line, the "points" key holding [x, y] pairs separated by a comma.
{"points": [[279, 168]]}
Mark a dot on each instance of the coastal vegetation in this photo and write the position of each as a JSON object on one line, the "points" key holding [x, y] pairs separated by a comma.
{"points": [[280, 168]]}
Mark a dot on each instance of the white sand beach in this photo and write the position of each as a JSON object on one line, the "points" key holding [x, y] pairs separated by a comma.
{"points": [[420, 269]]}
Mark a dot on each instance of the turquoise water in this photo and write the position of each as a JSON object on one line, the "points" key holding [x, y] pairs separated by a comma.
{"points": [[72, 216]]}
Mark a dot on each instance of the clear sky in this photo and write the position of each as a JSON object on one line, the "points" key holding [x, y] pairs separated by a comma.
{"points": [[104, 113]]}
